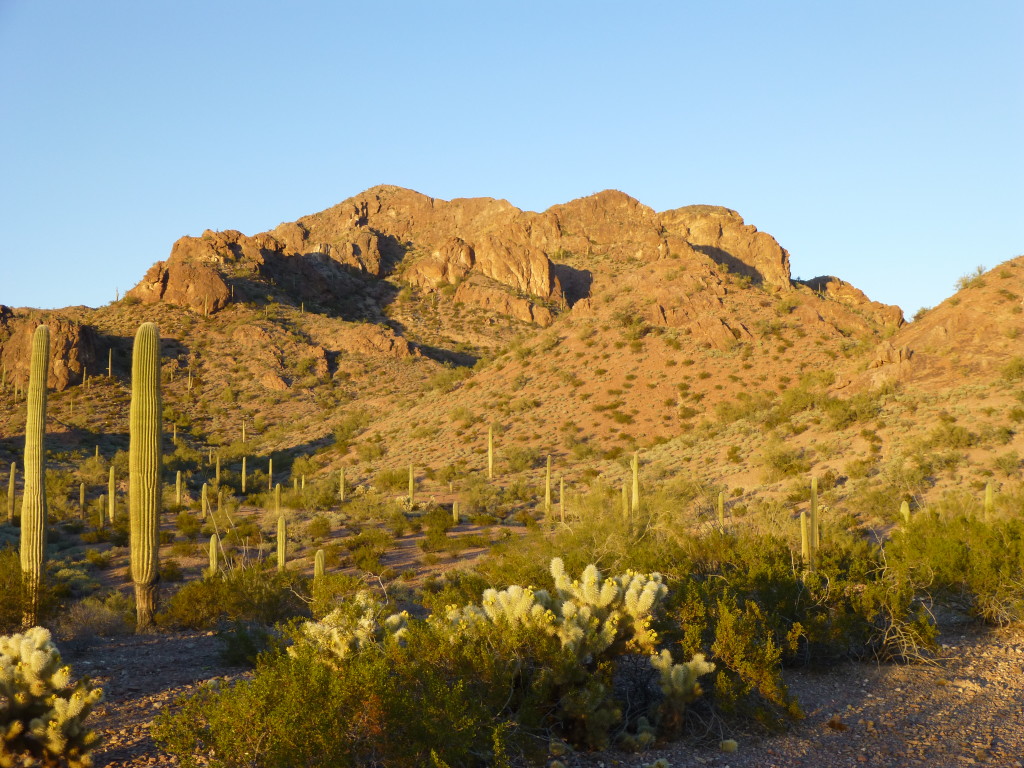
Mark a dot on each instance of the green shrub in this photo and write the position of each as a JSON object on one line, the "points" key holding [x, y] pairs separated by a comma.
{"points": [[242, 593]]}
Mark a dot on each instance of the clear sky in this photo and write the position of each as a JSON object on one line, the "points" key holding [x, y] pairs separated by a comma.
{"points": [[877, 141]]}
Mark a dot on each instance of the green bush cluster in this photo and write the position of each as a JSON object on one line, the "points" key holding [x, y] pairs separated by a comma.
{"points": [[467, 686]]}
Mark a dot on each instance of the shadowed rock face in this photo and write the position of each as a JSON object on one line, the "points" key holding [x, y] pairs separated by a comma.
{"points": [[74, 348]]}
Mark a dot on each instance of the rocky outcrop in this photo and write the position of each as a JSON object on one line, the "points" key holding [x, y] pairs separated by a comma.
{"points": [[74, 348], [839, 290], [888, 354], [479, 293], [720, 234], [363, 339], [194, 285]]}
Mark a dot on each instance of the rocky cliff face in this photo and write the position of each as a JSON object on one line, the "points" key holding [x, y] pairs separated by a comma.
{"points": [[526, 265], [74, 348]]}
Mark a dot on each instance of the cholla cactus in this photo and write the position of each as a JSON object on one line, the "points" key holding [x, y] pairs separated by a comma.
{"points": [[41, 710], [679, 687], [358, 624]]}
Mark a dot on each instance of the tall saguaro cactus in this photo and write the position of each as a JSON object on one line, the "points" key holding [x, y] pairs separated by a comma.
{"points": [[10, 493], [111, 495], [282, 542], [33, 504], [490, 452], [144, 462], [635, 464]]}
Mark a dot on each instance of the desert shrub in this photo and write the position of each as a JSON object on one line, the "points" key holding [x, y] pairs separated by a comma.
{"points": [[967, 562], [189, 525], [391, 480], [95, 616], [319, 528], [387, 708], [368, 547], [779, 460], [521, 458], [398, 689], [242, 593]]}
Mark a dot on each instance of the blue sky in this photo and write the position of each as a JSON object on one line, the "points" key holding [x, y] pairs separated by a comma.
{"points": [[877, 141]]}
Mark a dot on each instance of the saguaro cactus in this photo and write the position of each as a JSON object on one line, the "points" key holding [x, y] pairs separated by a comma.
{"points": [[81, 499], [282, 542], [270, 475], [636, 482], [806, 545], [10, 492], [412, 487], [319, 563], [547, 490], [214, 552], [111, 495], [144, 471], [455, 512], [205, 502], [177, 488], [243, 475], [990, 501], [721, 510], [341, 483], [814, 516], [33, 504], [490, 452]]}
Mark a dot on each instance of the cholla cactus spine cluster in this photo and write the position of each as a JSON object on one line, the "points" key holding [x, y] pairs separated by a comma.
{"points": [[42, 720]]}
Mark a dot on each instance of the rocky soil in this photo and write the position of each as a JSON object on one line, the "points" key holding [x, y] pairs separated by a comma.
{"points": [[965, 709]]}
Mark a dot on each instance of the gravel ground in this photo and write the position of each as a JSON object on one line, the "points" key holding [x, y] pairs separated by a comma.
{"points": [[967, 709]]}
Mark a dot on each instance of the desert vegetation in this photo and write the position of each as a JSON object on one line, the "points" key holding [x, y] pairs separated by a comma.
{"points": [[539, 534]]}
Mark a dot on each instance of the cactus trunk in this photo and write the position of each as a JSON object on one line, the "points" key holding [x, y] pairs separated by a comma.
{"points": [[214, 552], [204, 502], [814, 516], [990, 501], [490, 452], [721, 510], [144, 464], [270, 475], [10, 493], [805, 542], [455, 512], [547, 490], [243, 475], [81, 499], [636, 482], [282, 542], [177, 488], [33, 504], [341, 483], [412, 487], [319, 563], [111, 496]]}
